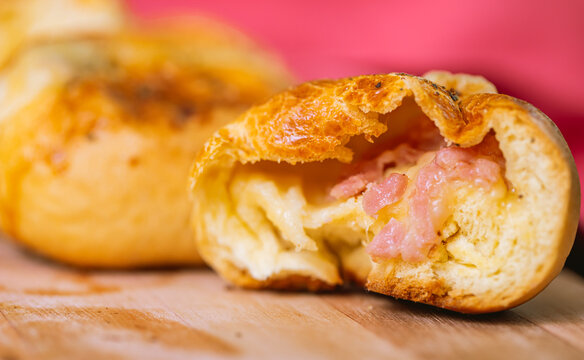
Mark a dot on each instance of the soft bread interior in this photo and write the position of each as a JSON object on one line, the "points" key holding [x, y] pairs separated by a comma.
{"points": [[266, 221]]}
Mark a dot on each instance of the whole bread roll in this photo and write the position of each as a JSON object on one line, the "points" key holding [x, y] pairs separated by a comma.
{"points": [[97, 135], [25, 22], [442, 192]]}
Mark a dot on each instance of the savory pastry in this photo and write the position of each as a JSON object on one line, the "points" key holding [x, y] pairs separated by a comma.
{"points": [[23, 22], [452, 196], [97, 136]]}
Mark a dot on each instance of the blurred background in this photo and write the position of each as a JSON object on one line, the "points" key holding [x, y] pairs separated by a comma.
{"points": [[530, 49]]}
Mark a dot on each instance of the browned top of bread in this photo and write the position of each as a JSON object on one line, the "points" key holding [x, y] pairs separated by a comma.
{"points": [[315, 120]]}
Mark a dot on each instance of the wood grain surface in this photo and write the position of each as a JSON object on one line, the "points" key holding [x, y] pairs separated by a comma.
{"points": [[48, 311]]}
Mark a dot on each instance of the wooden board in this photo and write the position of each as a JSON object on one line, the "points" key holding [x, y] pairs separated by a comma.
{"points": [[49, 311]]}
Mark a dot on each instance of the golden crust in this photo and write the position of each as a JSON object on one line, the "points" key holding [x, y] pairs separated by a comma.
{"points": [[435, 292], [315, 121], [461, 84], [289, 282], [241, 277], [97, 136]]}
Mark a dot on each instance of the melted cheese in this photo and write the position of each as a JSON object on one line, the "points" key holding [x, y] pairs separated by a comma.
{"points": [[290, 230], [293, 234]]}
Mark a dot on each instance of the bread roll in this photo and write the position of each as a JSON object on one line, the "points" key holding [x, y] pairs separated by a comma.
{"points": [[444, 192], [97, 136], [25, 22]]}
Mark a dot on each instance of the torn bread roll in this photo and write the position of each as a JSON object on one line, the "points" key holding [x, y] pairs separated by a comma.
{"points": [[457, 197], [97, 136]]}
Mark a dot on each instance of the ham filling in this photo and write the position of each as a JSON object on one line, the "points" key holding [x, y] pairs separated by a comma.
{"points": [[427, 204], [370, 171], [385, 193]]}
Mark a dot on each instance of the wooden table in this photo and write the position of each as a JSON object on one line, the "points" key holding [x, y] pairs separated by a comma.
{"points": [[49, 311]]}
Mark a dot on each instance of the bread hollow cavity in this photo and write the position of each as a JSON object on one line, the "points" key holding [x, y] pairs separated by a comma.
{"points": [[286, 220]]}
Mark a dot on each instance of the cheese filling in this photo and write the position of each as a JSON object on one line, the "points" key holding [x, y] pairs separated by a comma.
{"points": [[431, 200], [400, 204]]}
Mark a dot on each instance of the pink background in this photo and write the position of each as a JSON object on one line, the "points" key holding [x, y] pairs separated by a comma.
{"points": [[531, 49]]}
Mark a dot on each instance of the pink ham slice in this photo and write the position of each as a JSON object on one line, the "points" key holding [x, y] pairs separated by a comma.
{"points": [[428, 208], [355, 184], [388, 243], [385, 193], [372, 170]]}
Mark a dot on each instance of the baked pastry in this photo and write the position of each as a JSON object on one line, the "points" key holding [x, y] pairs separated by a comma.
{"points": [[454, 196], [97, 136], [23, 22]]}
